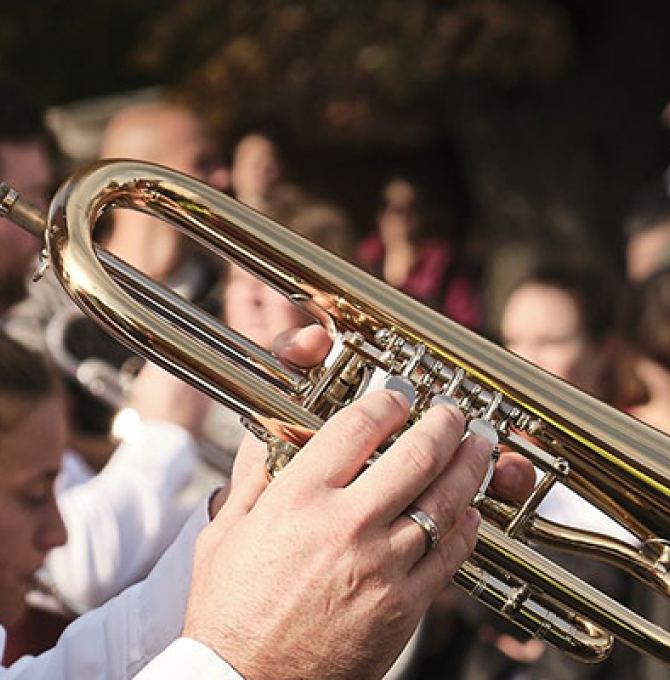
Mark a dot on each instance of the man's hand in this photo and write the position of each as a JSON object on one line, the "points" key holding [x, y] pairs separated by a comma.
{"points": [[321, 574]]}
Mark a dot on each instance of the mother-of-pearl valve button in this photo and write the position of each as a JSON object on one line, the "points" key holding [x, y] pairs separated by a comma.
{"points": [[484, 428], [443, 399], [400, 384]]}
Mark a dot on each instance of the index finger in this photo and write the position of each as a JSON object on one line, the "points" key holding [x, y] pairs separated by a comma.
{"points": [[337, 453]]}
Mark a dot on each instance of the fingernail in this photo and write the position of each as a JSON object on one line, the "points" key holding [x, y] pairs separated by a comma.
{"points": [[482, 447], [444, 400], [484, 428], [378, 408], [283, 342]]}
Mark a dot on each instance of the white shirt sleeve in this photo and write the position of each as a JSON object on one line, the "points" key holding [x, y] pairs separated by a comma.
{"points": [[185, 659], [121, 521], [116, 641]]}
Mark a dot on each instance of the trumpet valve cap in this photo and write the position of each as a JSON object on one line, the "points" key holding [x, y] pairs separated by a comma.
{"points": [[484, 428], [403, 385]]}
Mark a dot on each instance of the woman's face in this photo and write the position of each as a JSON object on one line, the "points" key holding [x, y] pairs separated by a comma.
{"points": [[257, 311], [32, 438], [399, 218], [543, 324], [256, 168]]}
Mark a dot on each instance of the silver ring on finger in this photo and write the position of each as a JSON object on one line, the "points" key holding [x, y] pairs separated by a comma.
{"points": [[427, 524]]}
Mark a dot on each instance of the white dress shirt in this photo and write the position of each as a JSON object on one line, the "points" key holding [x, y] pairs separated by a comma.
{"points": [[186, 659], [116, 641], [120, 521]]}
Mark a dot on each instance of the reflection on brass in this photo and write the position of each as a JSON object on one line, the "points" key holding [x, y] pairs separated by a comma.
{"points": [[612, 460]]}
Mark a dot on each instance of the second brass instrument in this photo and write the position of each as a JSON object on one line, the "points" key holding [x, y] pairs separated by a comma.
{"points": [[612, 460]]}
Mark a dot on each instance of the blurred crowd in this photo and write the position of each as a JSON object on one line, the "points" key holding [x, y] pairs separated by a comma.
{"points": [[603, 330]]}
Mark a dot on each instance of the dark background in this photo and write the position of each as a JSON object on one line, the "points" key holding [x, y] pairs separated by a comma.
{"points": [[530, 121]]}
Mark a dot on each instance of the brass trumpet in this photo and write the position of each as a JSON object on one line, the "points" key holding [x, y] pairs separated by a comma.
{"points": [[612, 460]]}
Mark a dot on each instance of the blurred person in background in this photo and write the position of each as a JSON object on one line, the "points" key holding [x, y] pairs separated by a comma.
{"points": [[118, 522], [257, 174], [645, 325], [159, 132], [129, 511], [176, 137], [561, 317], [253, 308], [163, 133], [409, 254], [646, 329], [647, 231], [260, 313], [27, 164], [33, 432]]}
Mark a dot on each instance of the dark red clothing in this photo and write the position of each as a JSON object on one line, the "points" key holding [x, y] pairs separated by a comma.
{"points": [[437, 279], [37, 632]]}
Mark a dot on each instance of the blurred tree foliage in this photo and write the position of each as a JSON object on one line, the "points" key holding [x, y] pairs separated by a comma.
{"points": [[360, 70], [547, 112], [354, 70]]}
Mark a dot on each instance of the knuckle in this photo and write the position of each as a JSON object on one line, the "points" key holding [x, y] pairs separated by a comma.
{"points": [[457, 551], [346, 524], [350, 527], [396, 601], [363, 424], [471, 541], [423, 452], [392, 404], [403, 601], [448, 506], [450, 417], [205, 540]]}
